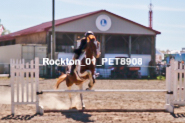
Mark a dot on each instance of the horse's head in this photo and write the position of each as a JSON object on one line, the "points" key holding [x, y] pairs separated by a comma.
{"points": [[93, 45]]}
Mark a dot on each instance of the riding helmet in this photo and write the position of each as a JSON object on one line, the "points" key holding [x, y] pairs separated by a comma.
{"points": [[88, 33]]}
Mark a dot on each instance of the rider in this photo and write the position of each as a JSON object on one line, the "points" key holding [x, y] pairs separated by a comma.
{"points": [[81, 49]]}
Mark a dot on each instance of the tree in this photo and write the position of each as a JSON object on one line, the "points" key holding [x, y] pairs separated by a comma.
{"points": [[5, 31]]}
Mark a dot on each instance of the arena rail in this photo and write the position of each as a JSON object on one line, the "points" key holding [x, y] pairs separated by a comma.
{"points": [[25, 88]]}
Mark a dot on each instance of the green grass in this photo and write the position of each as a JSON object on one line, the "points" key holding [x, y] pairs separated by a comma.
{"points": [[161, 78]]}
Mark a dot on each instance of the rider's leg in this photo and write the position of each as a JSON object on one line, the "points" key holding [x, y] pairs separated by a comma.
{"points": [[76, 56]]}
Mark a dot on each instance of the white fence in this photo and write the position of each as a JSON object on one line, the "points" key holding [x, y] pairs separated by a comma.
{"points": [[175, 74], [25, 82]]}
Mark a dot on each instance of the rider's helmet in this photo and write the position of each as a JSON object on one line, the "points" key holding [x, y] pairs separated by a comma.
{"points": [[88, 33]]}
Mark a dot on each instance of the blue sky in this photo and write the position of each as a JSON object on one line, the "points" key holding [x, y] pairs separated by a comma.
{"points": [[168, 15]]}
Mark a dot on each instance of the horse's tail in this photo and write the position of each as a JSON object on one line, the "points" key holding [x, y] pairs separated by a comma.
{"points": [[61, 79]]}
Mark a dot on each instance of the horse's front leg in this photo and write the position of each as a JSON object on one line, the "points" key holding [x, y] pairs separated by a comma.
{"points": [[81, 96], [94, 79], [91, 83]]}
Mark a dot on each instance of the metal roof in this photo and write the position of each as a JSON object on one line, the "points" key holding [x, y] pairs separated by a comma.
{"points": [[47, 25]]}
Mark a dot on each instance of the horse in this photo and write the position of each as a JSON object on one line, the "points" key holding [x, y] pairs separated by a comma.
{"points": [[84, 71]]}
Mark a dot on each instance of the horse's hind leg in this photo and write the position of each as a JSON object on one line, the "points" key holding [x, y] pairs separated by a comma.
{"points": [[81, 96], [69, 84], [69, 88]]}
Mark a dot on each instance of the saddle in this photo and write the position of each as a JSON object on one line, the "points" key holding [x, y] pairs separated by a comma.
{"points": [[77, 70]]}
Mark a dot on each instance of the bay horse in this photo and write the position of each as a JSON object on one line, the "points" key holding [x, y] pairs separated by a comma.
{"points": [[84, 71]]}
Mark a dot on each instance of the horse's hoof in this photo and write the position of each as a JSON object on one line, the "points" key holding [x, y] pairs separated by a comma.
{"points": [[83, 107], [73, 108], [90, 85]]}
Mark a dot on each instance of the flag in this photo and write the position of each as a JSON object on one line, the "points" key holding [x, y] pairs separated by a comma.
{"points": [[1, 30]]}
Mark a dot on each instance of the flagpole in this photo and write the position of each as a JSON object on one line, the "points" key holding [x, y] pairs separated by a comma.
{"points": [[53, 38]]}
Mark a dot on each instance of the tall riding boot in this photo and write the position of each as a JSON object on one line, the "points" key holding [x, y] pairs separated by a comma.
{"points": [[76, 56], [73, 66], [72, 69]]}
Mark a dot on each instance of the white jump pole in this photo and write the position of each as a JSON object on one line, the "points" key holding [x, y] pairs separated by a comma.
{"points": [[97, 91]]}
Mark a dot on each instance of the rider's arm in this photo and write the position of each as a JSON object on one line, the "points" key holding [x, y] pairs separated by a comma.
{"points": [[83, 44]]}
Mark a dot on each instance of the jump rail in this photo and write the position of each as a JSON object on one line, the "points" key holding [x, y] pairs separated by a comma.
{"points": [[97, 91]]}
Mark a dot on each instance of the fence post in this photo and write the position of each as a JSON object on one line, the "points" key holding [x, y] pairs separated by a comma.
{"points": [[39, 109], [169, 100], [12, 63], [175, 79]]}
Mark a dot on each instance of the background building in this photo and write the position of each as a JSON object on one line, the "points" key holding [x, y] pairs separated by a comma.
{"points": [[119, 36]]}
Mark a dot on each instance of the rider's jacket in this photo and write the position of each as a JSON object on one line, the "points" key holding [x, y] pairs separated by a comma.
{"points": [[82, 47]]}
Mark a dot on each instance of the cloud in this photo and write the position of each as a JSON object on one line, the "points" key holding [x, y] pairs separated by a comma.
{"points": [[18, 17], [116, 5], [180, 26], [161, 8], [102, 4], [175, 32], [34, 17]]}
